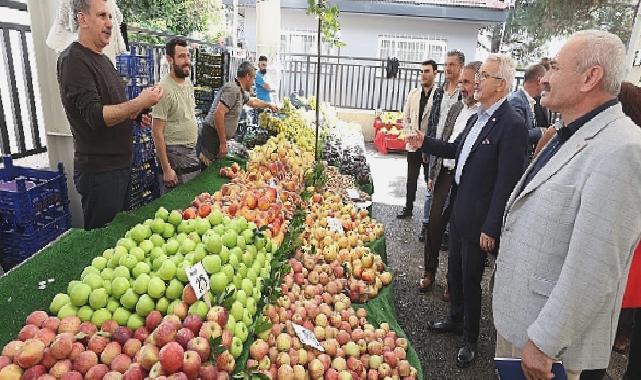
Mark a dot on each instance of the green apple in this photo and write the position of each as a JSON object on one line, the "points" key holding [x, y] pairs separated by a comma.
{"points": [[219, 230], [140, 268], [256, 294], [128, 261], [240, 242], [177, 258], [85, 313], [240, 331], [224, 254], [158, 261], [99, 263], [259, 242], [168, 231], [212, 263], [251, 249], [218, 282], [231, 323], [214, 243], [107, 274], [234, 261], [146, 246], [242, 270], [190, 225], [157, 240], [112, 304], [129, 299], [237, 281], [156, 287], [236, 347], [264, 273], [228, 270], [162, 304], [250, 306], [202, 226], [126, 242], [145, 305], [98, 298], [247, 318], [248, 259], [189, 258], [188, 245], [174, 290], [67, 310], [156, 252], [241, 297], [93, 280], [200, 252], [87, 271], [139, 233], [80, 294], [157, 226], [247, 286], [162, 214], [248, 235], [181, 272], [171, 247], [181, 237], [59, 300], [229, 238], [142, 284], [195, 237], [121, 315], [100, 316], [138, 253], [108, 254], [200, 309], [252, 275], [242, 223], [236, 310], [119, 286], [167, 270], [215, 217], [122, 271], [135, 322]]}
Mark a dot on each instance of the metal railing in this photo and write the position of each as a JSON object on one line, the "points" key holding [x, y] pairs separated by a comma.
{"points": [[354, 82], [24, 137]]}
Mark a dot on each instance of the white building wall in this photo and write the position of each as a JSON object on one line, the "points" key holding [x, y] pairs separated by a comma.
{"points": [[360, 32]]}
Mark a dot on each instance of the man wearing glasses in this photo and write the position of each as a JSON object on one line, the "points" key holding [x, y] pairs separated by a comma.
{"points": [[490, 157]]}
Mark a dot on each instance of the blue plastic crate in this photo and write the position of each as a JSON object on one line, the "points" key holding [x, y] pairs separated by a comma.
{"points": [[132, 66], [31, 198], [17, 247]]}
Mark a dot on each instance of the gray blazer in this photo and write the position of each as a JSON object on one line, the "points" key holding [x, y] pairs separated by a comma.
{"points": [[567, 244], [437, 162]]}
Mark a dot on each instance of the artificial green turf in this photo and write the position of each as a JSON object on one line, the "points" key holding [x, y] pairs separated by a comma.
{"points": [[65, 260]]}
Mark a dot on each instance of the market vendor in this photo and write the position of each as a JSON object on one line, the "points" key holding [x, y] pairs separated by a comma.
{"points": [[99, 114], [175, 129], [222, 120]]}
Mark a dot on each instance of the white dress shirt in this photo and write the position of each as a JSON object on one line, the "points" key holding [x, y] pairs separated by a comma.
{"points": [[459, 126]]}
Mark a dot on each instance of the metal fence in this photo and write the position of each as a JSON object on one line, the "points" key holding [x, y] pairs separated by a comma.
{"points": [[19, 100], [354, 82]]}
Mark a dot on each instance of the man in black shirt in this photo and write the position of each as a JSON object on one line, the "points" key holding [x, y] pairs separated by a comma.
{"points": [[99, 114]]}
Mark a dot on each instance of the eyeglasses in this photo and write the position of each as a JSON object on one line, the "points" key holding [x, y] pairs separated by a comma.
{"points": [[483, 75]]}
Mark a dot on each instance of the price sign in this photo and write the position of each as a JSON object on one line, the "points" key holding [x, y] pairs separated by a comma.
{"points": [[307, 337], [335, 225], [198, 279], [272, 183], [365, 204], [353, 193]]}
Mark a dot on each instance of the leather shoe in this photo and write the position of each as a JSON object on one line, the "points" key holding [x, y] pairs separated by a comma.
{"points": [[421, 236], [445, 326], [466, 355], [406, 212]]}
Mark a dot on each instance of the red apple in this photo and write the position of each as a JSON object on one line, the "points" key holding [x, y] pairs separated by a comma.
{"points": [[183, 336], [72, 375], [165, 333], [171, 357], [70, 324], [331, 374], [60, 368], [110, 352], [141, 334], [12, 349], [189, 295], [113, 375], [153, 320], [46, 376], [131, 347], [201, 346], [34, 372], [193, 323], [109, 326], [76, 349], [62, 346], [121, 363], [208, 372], [28, 332], [226, 362], [390, 358], [85, 360], [122, 334], [37, 318], [47, 360], [88, 329], [51, 323], [191, 364], [258, 349], [46, 336], [96, 372], [135, 372], [30, 354], [148, 356]]}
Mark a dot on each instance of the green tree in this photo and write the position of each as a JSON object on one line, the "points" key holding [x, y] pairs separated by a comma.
{"points": [[181, 17], [532, 23]]}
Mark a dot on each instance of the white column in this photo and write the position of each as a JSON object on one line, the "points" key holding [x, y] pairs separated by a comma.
{"points": [[634, 74], [59, 139], [268, 38]]}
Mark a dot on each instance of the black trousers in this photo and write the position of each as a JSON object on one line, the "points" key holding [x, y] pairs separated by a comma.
{"points": [[103, 195], [437, 221], [464, 274], [414, 163]]}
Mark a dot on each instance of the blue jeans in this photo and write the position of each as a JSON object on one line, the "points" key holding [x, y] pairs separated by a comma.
{"points": [[426, 207]]}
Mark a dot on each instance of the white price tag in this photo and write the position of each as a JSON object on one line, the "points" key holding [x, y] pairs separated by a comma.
{"points": [[307, 337], [272, 183], [353, 193], [365, 204], [335, 225], [198, 279]]}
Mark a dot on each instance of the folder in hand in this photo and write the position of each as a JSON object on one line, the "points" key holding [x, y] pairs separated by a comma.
{"points": [[510, 369]]}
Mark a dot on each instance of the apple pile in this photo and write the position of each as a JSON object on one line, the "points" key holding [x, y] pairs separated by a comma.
{"points": [[50, 348]]}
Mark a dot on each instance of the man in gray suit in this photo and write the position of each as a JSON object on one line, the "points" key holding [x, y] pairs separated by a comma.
{"points": [[573, 220]]}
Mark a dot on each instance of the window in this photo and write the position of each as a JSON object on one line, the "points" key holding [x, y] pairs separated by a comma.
{"points": [[415, 49], [303, 42]]}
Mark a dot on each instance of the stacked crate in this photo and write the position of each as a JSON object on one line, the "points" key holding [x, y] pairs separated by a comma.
{"points": [[144, 183], [137, 69], [210, 74], [34, 210]]}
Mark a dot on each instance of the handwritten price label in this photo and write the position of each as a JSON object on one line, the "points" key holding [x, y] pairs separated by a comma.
{"points": [[198, 279], [353, 193], [307, 337], [335, 225]]}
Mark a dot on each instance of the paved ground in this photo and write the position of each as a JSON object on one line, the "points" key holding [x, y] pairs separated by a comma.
{"points": [[405, 252]]}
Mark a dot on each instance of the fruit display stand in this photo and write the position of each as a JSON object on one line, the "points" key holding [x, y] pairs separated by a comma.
{"points": [[389, 133], [32, 285]]}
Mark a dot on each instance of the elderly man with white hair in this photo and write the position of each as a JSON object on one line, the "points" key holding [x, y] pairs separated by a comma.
{"points": [[573, 220], [490, 158]]}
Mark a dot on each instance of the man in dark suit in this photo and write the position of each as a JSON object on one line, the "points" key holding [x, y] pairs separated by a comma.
{"points": [[523, 101], [490, 158]]}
